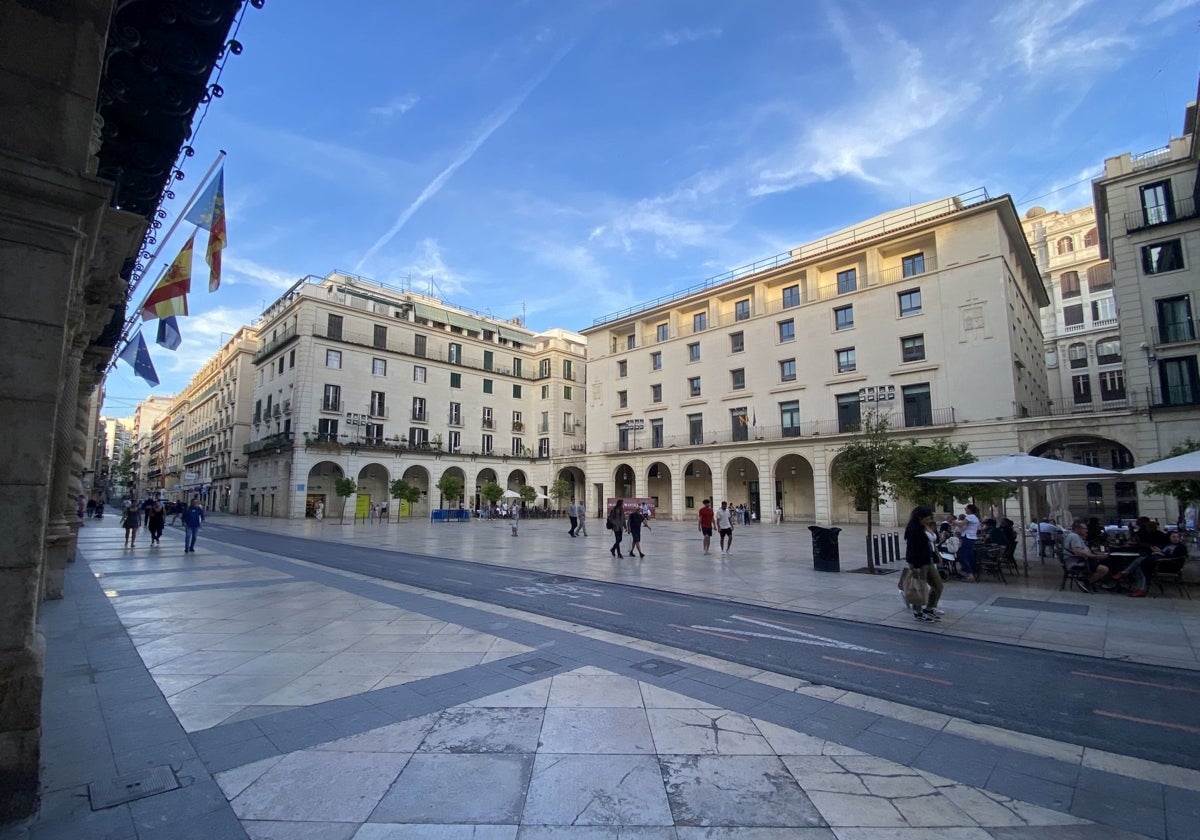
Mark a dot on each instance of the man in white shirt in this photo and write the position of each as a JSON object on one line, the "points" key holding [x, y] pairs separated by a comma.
{"points": [[1077, 553], [725, 527]]}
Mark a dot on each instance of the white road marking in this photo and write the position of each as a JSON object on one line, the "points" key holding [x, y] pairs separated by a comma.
{"points": [[796, 636]]}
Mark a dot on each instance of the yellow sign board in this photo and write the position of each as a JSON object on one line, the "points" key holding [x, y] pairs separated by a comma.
{"points": [[362, 506]]}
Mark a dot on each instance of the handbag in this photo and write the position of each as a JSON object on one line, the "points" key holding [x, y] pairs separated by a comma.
{"points": [[915, 588]]}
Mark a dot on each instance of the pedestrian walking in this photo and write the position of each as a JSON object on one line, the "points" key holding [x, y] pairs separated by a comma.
{"points": [[131, 520], [582, 528], [80, 506], [515, 517], [319, 513], [920, 543], [573, 515], [616, 524], [91, 509], [158, 521], [192, 519], [725, 527], [970, 532], [778, 515], [637, 520], [707, 516]]}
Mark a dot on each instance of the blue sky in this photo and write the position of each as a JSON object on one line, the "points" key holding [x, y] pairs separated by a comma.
{"points": [[563, 159]]}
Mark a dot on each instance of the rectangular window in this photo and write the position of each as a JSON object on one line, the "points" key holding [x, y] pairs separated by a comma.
{"points": [[281, 364], [1104, 309], [454, 354], [1157, 206], [1162, 257], [1073, 315], [454, 415], [787, 330], [487, 386], [518, 424], [1081, 388], [486, 443], [378, 404], [622, 437], [567, 392], [327, 430], [488, 359], [843, 317], [699, 321], [543, 368], [1108, 352], [543, 447], [737, 342], [1077, 355], [918, 410], [741, 310], [516, 392], [419, 373], [374, 433], [333, 358], [622, 399], [487, 420], [849, 413], [789, 418], [418, 409], [910, 302], [787, 370], [379, 367], [1068, 284], [544, 424], [791, 296], [845, 360], [695, 429], [1099, 277], [913, 265], [656, 433], [847, 281], [739, 422], [656, 393], [291, 359], [622, 369], [631, 341], [334, 327], [418, 436], [694, 386], [545, 392], [1175, 319], [568, 423], [455, 379], [380, 336], [1112, 385], [568, 370], [1179, 381], [419, 343], [693, 350], [656, 360], [912, 348], [738, 379], [516, 366], [333, 398], [662, 332], [454, 441]]}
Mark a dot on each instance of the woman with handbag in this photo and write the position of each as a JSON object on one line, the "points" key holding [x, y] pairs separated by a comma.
{"points": [[920, 540], [616, 524]]}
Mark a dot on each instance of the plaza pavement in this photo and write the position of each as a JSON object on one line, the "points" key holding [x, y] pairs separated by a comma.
{"points": [[289, 701]]}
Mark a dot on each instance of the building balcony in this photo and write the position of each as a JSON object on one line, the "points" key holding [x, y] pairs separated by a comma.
{"points": [[285, 337], [270, 445], [1173, 333], [1160, 214]]}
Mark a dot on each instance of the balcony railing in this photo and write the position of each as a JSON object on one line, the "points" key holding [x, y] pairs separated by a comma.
{"points": [[1160, 214], [1068, 407], [288, 334], [1173, 333]]}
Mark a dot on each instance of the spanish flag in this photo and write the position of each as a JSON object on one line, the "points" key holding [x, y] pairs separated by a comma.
{"points": [[169, 297], [209, 213]]}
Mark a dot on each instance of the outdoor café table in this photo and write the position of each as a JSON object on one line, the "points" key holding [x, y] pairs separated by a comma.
{"points": [[1118, 561]]}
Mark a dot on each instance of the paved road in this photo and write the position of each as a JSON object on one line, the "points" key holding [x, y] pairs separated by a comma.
{"points": [[1131, 709]]}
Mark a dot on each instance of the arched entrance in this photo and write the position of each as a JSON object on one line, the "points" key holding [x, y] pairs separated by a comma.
{"points": [[841, 503], [575, 478], [658, 487], [1110, 500], [485, 476], [454, 472], [741, 485], [624, 482], [516, 480], [795, 489], [322, 499], [372, 483], [418, 477], [697, 486]]}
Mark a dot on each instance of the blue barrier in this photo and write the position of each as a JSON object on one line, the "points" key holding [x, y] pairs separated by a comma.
{"points": [[450, 516]]}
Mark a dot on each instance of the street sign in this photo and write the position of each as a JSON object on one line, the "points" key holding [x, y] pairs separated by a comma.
{"points": [[634, 425], [880, 393]]}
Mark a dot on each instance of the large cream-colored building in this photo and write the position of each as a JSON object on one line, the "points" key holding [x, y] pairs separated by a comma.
{"points": [[357, 379]]}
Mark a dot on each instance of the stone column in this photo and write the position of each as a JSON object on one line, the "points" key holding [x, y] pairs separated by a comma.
{"points": [[63, 524]]}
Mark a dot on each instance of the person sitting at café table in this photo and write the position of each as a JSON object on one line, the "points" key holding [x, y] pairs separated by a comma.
{"points": [[1149, 537], [1003, 534], [1169, 558], [1095, 532], [1077, 554]]}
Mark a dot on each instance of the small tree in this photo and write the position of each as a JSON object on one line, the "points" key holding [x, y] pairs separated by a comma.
{"points": [[491, 492], [865, 468], [1185, 490], [402, 491], [451, 486], [559, 490], [528, 494], [345, 487]]}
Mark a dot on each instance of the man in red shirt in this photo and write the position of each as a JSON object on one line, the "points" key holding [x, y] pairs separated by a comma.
{"points": [[707, 515]]}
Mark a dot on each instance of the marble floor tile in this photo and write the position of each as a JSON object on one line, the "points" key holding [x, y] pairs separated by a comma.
{"points": [[705, 732], [456, 789], [735, 790], [473, 729], [311, 786], [588, 690], [620, 790], [596, 731], [309, 689], [402, 737]]}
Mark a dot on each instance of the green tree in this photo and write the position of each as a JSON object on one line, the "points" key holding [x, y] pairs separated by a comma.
{"points": [[865, 468], [528, 494], [451, 486], [1185, 490], [402, 491], [345, 488], [491, 492], [559, 490]]}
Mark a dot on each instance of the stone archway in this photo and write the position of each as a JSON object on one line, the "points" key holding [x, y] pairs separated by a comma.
{"points": [[484, 476], [373, 483], [624, 482], [322, 500], [516, 480], [418, 477], [458, 473], [794, 491], [1110, 500], [658, 487], [575, 478], [742, 486], [697, 486]]}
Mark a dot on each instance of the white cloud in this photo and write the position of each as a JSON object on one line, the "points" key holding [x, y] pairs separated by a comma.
{"points": [[202, 335], [397, 107], [1059, 39], [424, 264], [239, 271], [689, 36], [1166, 9]]}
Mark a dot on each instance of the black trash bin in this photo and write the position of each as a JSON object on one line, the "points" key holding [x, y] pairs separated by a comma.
{"points": [[825, 549]]}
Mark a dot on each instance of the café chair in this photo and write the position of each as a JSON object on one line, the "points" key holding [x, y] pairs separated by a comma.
{"points": [[1158, 578], [1078, 573]]}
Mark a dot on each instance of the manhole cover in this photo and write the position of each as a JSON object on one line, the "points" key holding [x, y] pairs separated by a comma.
{"points": [[138, 785], [656, 667], [534, 666]]}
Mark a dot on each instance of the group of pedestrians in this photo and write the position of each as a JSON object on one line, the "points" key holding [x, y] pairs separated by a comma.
{"points": [[618, 521], [152, 515]]}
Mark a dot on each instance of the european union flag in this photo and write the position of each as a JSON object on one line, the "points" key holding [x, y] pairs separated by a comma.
{"points": [[137, 355]]}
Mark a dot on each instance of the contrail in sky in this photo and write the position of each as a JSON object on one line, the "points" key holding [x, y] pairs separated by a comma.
{"points": [[464, 155]]}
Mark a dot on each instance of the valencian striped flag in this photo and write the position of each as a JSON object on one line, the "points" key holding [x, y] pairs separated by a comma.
{"points": [[209, 213], [169, 297]]}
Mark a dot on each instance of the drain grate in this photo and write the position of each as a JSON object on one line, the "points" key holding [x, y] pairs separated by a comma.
{"points": [[535, 666], [1040, 606], [656, 667], [138, 785]]}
